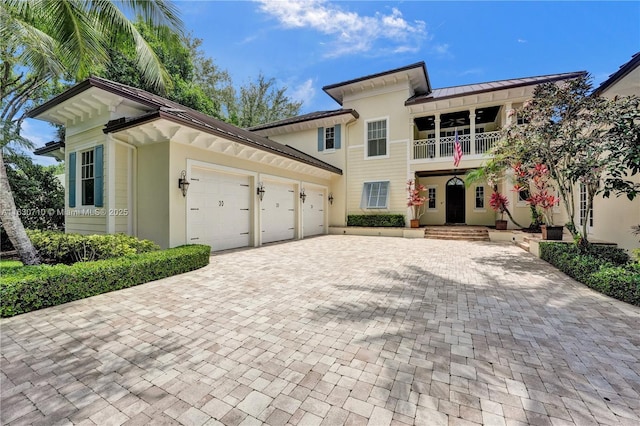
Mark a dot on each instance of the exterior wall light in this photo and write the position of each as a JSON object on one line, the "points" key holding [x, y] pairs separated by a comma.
{"points": [[260, 191], [331, 198], [303, 196], [183, 183]]}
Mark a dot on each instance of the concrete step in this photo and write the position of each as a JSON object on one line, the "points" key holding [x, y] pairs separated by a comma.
{"points": [[467, 233]]}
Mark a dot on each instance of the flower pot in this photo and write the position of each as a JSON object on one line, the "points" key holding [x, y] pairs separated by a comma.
{"points": [[551, 232], [415, 223], [501, 224]]}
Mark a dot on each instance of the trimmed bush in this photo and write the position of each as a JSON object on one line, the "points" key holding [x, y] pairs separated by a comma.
{"points": [[601, 268], [376, 220], [58, 247], [30, 288]]}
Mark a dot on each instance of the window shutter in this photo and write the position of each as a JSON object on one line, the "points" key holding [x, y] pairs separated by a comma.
{"points": [[337, 136], [72, 179], [98, 185], [320, 138]]}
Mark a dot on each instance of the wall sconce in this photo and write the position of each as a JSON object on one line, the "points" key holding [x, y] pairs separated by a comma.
{"points": [[183, 183], [303, 196], [331, 198], [260, 191]]}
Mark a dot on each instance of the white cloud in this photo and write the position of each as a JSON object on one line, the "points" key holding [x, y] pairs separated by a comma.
{"points": [[521, 40], [304, 92], [351, 32]]}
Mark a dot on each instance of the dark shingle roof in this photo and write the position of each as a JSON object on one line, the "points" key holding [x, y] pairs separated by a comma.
{"points": [[169, 110], [622, 71], [469, 89], [305, 117]]}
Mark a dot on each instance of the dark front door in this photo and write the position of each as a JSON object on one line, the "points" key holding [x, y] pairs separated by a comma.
{"points": [[455, 201]]}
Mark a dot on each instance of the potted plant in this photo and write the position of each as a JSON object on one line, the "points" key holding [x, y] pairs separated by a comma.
{"points": [[416, 202], [499, 203], [543, 199]]}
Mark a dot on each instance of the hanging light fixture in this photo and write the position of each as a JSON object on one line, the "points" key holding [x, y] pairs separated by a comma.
{"points": [[183, 183], [260, 191]]}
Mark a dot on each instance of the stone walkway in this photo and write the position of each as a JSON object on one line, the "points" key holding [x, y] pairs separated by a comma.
{"points": [[333, 330]]}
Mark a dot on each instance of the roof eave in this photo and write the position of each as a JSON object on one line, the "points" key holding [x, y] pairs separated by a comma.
{"points": [[621, 73], [353, 112]]}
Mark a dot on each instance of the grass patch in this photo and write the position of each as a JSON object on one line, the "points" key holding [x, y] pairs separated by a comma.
{"points": [[605, 269], [28, 288]]}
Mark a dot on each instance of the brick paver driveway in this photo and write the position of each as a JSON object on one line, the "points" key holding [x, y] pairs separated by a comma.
{"points": [[332, 330]]}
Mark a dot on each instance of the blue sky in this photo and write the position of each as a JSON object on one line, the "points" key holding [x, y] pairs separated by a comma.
{"points": [[307, 45]]}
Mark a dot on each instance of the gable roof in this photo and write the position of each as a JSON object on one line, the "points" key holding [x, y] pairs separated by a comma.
{"points": [[417, 72], [470, 89], [317, 115], [624, 69], [162, 108]]}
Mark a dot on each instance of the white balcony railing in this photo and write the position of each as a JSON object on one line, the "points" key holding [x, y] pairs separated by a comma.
{"points": [[426, 148]]}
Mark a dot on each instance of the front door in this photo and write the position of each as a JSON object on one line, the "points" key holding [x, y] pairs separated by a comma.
{"points": [[455, 201]]}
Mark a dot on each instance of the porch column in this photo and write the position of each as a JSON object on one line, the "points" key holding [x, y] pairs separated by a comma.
{"points": [[437, 135], [472, 131], [508, 118]]}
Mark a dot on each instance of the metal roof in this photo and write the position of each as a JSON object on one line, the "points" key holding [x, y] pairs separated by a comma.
{"points": [[317, 115], [622, 71], [173, 111], [469, 89]]}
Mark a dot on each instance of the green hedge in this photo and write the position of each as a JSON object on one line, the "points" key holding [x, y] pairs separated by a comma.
{"points": [[376, 220], [30, 288], [58, 247], [600, 268]]}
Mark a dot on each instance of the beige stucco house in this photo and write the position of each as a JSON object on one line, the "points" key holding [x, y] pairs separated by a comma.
{"points": [[127, 150]]}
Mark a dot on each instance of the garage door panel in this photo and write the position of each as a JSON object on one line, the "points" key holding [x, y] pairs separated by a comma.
{"points": [[313, 213], [278, 212], [219, 209]]}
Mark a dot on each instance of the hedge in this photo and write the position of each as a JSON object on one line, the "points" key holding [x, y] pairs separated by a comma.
{"points": [[600, 268], [376, 220], [30, 288]]}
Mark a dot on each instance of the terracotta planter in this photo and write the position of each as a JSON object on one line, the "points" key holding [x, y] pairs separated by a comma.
{"points": [[501, 224], [551, 232], [415, 223]]}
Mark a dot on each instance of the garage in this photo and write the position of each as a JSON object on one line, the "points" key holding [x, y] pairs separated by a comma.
{"points": [[313, 212], [219, 209], [278, 212]]}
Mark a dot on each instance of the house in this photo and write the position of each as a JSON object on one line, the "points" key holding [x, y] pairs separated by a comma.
{"points": [[613, 217], [131, 154]]}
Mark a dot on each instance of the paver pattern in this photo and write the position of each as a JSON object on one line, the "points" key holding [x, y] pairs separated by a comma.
{"points": [[333, 330]]}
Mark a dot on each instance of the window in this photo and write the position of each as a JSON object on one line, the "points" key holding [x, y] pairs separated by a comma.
{"points": [[479, 197], [375, 195], [329, 138], [523, 196], [377, 138], [583, 206], [87, 178], [431, 195]]}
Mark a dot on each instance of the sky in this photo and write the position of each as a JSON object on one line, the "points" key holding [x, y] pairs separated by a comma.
{"points": [[308, 44]]}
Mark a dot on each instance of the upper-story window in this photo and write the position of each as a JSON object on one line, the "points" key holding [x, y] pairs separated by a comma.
{"points": [[87, 177], [329, 137], [376, 138]]}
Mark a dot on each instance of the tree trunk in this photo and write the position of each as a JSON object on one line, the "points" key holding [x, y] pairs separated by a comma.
{"points": [[12, 223]]}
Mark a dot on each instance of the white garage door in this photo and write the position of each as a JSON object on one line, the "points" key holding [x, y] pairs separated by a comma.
{"points": [[278, 212], [218, 209], [313, 213]]}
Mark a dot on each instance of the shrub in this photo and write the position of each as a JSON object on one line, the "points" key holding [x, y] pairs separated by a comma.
{"points": [[601, 268], [376, 220], [30, 288], [58, 247]]}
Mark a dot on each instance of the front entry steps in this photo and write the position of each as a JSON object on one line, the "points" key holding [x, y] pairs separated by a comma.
{"points": [[463, 232]]}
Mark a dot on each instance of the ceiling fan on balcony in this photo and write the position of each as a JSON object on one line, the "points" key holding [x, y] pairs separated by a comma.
{"points": [[455, 122]]}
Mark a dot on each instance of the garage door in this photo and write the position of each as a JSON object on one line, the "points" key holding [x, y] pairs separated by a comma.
{"points": [[218, 209], [313, 213], [278, 212]]}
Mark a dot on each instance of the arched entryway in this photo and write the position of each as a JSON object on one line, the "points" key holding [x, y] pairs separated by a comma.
{"points": [[455, 201]]}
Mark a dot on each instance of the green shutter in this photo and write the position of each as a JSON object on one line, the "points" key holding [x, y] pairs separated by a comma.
{"points": [[72, 179], [337, 136], [98, 185], [320, 138]]}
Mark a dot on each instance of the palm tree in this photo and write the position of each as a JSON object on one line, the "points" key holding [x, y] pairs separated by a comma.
{"points": [[45, 40]]}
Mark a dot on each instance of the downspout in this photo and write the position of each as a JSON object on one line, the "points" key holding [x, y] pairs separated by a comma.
{"points": [[346, 168]]}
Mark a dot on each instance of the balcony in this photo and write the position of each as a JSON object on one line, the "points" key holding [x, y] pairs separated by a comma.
{"points": [[427, 148]]}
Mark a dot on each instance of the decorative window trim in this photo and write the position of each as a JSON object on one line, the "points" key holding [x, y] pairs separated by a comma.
{"points": [[366, 139], [368, 187]]}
